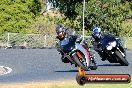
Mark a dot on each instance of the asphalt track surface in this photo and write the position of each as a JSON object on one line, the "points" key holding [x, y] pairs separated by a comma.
{"points": [[33, 65]]}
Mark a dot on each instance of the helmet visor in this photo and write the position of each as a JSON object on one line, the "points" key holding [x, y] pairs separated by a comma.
{"points": [[97, 35], [61, 34]]}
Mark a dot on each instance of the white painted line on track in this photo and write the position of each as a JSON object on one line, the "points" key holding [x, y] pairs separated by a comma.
{"points": [[5, 70]]}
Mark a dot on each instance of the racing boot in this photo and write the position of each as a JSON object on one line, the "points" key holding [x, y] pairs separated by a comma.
{"points": [[102, 56], [103, 59], [65, 60]]}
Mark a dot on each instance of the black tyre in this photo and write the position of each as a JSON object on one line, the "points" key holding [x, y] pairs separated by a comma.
{"points": [[79, 63], [122, 60], [93, 67]]}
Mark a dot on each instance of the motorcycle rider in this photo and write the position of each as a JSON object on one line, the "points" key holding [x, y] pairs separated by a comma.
{"points": [[96, 37], [61, 35], [65, 36]]}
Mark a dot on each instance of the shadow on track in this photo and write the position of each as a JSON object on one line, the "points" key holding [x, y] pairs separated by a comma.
{"points": [[109, 65], [68, 71]]}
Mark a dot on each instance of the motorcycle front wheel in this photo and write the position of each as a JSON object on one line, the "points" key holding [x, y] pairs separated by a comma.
{"points": [[79, 63], [122, 60]]}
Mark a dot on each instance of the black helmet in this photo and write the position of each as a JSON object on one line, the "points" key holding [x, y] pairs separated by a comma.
{"points": [[61, 32], [60, 28]]}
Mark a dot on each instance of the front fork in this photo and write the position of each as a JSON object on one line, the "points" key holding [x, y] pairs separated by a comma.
{"points": [[121, 52]]}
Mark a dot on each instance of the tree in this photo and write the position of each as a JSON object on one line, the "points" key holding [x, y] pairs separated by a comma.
{"points": [[108, 14], [67, 7], [16, 15]]}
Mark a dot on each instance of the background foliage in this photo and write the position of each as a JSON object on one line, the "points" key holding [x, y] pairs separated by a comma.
{"points": [[108, 14], [17, 15], [29, 16]]}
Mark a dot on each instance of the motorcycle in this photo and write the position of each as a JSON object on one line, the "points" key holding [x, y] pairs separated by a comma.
{"points": [[113, 50], [78, 55]]}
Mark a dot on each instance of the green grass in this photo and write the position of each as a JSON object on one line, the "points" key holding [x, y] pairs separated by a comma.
{"points": [[127, 25], [128, 43], [96, 86]]}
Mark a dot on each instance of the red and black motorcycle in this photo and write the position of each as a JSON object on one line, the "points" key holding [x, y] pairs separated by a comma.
{"points": [[77, 54]]}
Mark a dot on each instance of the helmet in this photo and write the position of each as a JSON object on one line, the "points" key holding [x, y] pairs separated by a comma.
{"points": [[97, 32], [61, 31], [60, 28]]}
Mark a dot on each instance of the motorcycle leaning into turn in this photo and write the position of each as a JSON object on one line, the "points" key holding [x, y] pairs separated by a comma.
{"points": [[111, 49], [76, 53]]}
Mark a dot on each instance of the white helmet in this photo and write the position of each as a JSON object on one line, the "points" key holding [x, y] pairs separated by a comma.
{"points": [[97, 32]]}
